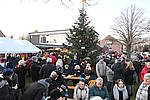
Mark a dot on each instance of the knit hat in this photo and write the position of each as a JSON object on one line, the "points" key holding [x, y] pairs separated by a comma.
{"points": [[55, 94], [8, 72]]}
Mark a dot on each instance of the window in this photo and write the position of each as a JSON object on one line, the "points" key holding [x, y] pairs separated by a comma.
{"points": [[109, 42]]}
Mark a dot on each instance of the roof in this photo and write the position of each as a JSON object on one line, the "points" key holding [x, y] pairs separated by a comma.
{"points": [[109, 37], [54, 32], [17, 46], [1, 34]]}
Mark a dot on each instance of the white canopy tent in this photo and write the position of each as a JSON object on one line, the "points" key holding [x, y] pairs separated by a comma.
{"points": [[8, 45]]}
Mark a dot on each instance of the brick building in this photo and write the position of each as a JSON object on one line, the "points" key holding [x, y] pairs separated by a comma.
{"points": [[112, 43]]}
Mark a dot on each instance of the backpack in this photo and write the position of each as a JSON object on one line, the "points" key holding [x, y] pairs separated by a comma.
{"points": [[92, 82]]}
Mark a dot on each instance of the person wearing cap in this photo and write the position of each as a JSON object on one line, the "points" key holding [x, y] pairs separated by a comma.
{"points": [[21, 72], [37, 90], [81, 91], [6, 89], [101, 69], [143, 91], [35, 68], [98, 89], [47, 69], [145, 70]]}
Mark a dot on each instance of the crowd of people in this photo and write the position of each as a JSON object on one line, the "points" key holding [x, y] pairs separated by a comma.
{"points": [[112, 78]]}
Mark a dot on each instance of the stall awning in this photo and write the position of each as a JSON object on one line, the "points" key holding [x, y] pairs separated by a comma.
{"points": [[8, 45]]}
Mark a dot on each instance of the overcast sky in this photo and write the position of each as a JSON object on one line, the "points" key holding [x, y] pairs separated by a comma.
{"points": [[19, 17]]}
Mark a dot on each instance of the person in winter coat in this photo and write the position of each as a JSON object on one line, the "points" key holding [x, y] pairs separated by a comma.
{"points": [[59, 83], [143, 91], [145, 70], [37, 90], [28, 66], [88, 69], [47, 69], [138, 67], [119, 71], [110, 75], [6, 90], [77, 71], [21, 72], [83, 64], [35, 68], [119, 91], [129, 77], [60, 62], [81, 91], [101, 69], [53, 58], [66, 70], [74, 62], [53, 77], [98, 89]]}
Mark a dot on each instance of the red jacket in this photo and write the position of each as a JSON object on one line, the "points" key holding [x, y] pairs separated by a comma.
{"points": [[143, 72], [53, 59], [28, 64]]}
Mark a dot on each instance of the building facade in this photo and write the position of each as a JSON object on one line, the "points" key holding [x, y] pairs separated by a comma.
{"points": [[112, 43], [48, 39]]}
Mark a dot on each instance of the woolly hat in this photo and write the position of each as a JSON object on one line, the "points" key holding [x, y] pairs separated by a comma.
{"points": [[55, 94], [8, 72]]}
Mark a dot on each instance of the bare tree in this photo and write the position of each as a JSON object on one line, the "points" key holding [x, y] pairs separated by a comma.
{"points": [[129, 26], [67, 3], [23, 37]]}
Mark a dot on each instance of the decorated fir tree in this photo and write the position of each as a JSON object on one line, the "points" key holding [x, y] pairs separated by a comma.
{"points": [[83, 39]]}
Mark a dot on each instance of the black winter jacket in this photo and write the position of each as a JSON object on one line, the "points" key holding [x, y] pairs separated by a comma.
{"points": [[21, 72], [119, 71], [35, 68], [35, 92], [46, 70]]}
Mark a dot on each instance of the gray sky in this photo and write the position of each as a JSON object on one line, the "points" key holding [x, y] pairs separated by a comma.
{"points": [[19, 17]]}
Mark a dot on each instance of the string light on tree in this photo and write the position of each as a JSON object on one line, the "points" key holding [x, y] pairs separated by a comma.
{"points": [[74, 33]]}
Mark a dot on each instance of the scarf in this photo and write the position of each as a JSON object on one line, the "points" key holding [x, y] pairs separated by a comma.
{"points": [[142, 93], [116, 90]]}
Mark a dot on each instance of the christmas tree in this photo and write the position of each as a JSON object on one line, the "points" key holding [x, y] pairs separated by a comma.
{"points": [[83, 39]]}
